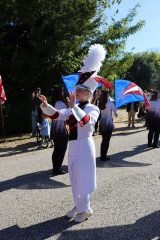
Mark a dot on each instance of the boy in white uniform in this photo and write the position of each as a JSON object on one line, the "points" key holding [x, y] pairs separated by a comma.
{"points": [[81, 154]]}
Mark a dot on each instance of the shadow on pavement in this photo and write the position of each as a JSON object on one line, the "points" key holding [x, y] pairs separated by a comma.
{"points": [[38, 231], [21, 148], [145, 228], [37, 180], [124, 131], [118, 159]]}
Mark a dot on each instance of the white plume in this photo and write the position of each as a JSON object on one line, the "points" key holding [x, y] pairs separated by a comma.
{"points": [[93, 61]]}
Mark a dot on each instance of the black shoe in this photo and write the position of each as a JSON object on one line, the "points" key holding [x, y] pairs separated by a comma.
{"points": [[60, 172], [150, 145], [133, 126], [156, 146], [129, 125], [104, 158]]}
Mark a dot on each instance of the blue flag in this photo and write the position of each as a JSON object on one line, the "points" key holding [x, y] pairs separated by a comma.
{"points": [[127, 91], [71, 80]]}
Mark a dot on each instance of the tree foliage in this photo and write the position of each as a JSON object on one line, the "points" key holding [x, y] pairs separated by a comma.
{"points": [[40, 40], [115, 36], [145, 70]]}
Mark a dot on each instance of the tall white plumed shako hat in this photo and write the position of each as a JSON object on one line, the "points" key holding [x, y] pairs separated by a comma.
{"points": [[92, 64]]}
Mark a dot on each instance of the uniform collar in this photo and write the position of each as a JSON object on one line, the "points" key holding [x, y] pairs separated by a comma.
{"points": [[82, 104]]}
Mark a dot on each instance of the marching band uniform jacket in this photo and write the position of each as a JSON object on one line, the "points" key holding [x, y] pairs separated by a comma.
{"points": [[81, 154]]}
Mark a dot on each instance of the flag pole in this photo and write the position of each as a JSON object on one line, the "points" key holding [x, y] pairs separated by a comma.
{"points": [[2, 123]]}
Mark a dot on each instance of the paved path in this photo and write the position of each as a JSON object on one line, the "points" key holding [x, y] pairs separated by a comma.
{"points": [[126, 203]]}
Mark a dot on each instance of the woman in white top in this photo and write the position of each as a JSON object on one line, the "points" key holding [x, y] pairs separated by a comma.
{"points": [[106, 123]]}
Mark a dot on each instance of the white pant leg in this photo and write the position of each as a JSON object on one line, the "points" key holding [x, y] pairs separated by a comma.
{"points": [[82, 203], [73, 180]]}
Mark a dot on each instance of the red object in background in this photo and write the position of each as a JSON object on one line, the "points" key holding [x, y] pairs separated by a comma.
{"points": [[105, 83], [2, 92]]}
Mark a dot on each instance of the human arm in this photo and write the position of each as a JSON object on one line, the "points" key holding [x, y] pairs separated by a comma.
{"points": [[114, 110], [48, 109], [52, 112], [81, 116]]}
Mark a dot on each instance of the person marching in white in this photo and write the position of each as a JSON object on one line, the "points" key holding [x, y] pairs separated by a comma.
{"points": [[82, 119]]}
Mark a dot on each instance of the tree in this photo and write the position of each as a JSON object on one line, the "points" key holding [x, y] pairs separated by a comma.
{"points": [[42, 39], [115, 37], [144, 71]]}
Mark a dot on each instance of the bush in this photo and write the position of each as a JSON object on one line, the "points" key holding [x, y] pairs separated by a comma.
{"points": [[17, 116]]}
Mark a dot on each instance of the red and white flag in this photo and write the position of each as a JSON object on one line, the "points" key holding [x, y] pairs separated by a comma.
{"points": [[2, 92]]}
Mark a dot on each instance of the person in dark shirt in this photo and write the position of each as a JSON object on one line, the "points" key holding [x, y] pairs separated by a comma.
{"points": [[36, 101], [59, 133], [154, 121]]}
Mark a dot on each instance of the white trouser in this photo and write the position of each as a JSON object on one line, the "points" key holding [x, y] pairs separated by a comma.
{"points": [[82, 203]]}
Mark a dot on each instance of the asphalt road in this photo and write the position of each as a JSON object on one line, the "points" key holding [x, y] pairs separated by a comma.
{"points": [[126, 203]]}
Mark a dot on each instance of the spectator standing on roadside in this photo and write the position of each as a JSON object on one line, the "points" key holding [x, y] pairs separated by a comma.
{"points": [[132, 108], [36, 101]]}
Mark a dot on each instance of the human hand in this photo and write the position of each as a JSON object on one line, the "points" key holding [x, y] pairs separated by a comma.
{"points": [[71, 100], [44, 101]]}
